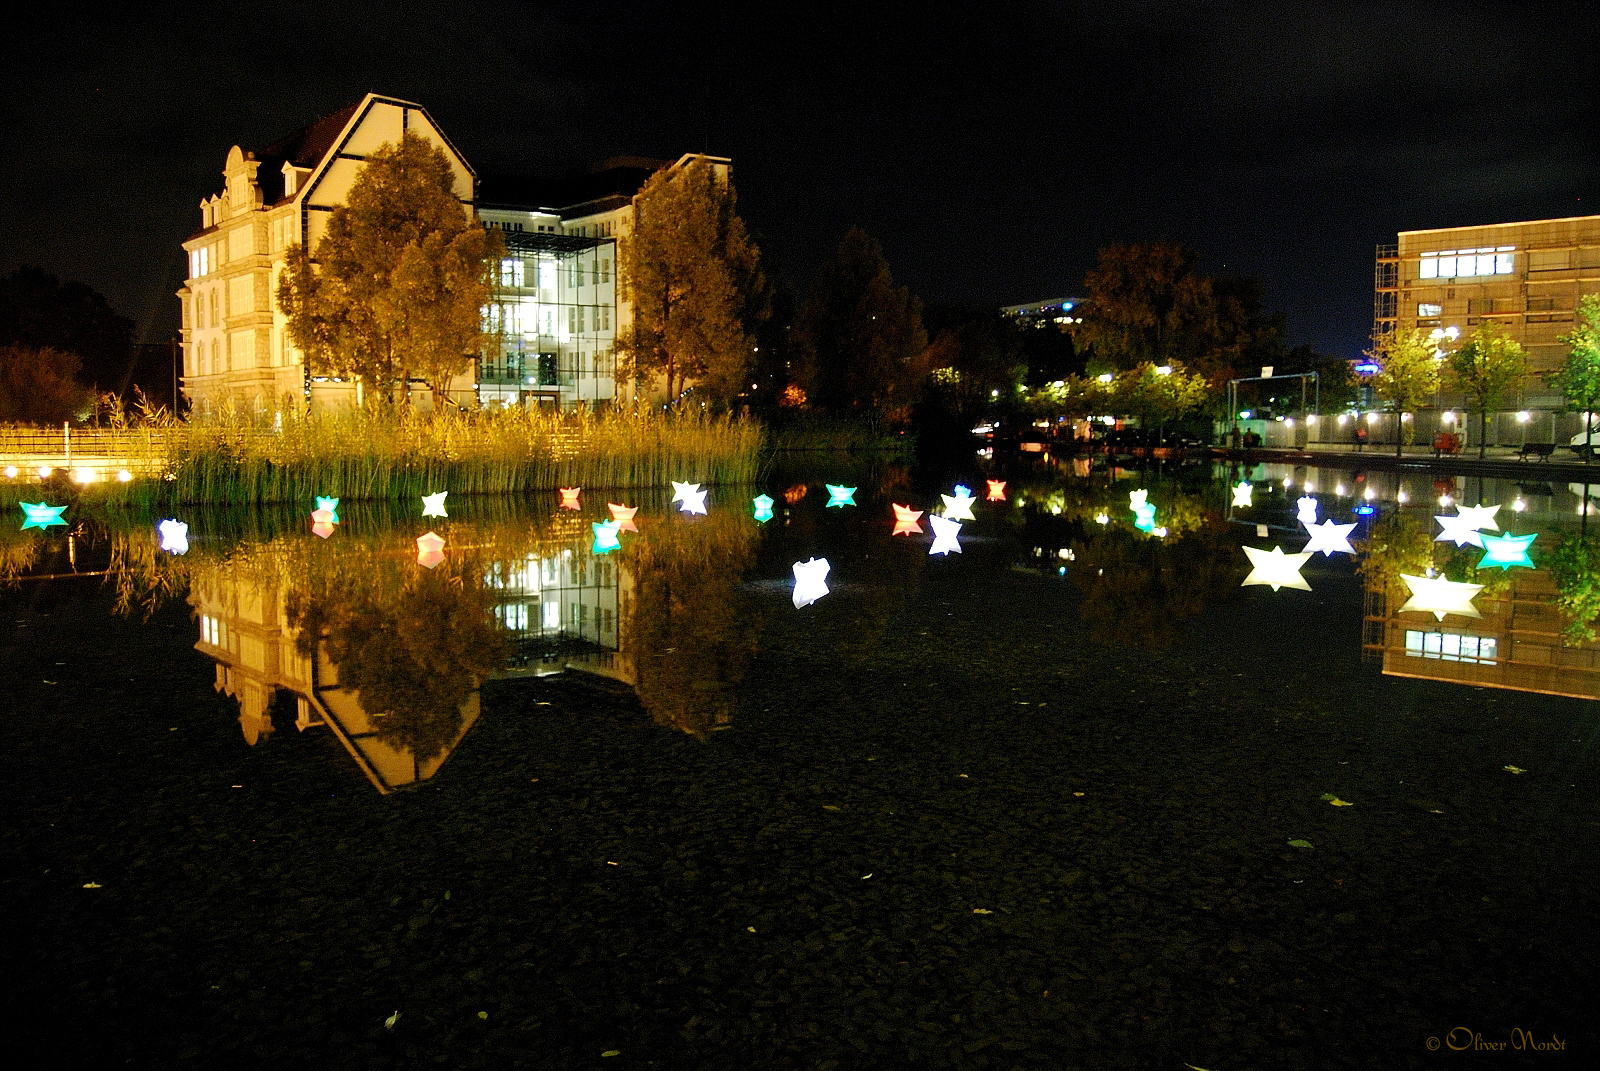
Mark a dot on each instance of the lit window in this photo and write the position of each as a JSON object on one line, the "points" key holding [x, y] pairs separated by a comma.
{"points": [[1502, 264], [1430, 266], [547, 275], [1447, 267], [552, 615], [1425, 310], [511, 272], [605, 270]]}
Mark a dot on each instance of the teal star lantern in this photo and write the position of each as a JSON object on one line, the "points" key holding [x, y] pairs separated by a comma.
{"points": [[40, 515], [1144, 518], [1502, 552], [840, 496], [605, 536], [763, 508], [332, 506]]}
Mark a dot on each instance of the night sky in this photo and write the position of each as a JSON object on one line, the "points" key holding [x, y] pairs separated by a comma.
{"points": [[992, 148]]}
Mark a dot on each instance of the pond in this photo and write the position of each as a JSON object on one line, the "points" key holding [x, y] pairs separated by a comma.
{"points": [[1094, 785]]}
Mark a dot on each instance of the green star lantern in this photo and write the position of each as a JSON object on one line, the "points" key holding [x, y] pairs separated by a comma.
{"points": [[40, 515], [1502, 552]]}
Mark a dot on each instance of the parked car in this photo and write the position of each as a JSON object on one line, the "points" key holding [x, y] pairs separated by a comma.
{"points": [[1587, 444]]}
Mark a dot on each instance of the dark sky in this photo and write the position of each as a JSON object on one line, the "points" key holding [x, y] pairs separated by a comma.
{"points": [[992, 148]]}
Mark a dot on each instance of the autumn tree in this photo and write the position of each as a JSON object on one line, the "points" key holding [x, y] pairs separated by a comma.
{"points": [[860, 333], [694, 278], [1578, 378], [39, 385], [1156, 394], [1407, 376], [1484, 369], [398, 284]]}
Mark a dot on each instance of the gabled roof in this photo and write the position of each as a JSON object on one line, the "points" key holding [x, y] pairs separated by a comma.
{"points": [[305, 148]]}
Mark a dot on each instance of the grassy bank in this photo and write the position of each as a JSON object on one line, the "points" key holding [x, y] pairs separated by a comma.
{"points": [[361, 454]]}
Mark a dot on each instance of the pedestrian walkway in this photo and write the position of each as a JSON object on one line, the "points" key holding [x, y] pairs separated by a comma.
{"points": [[1501, 460]]}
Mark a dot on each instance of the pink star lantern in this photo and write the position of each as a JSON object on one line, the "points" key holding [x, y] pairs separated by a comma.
{"points": [[430, 550], [905, 521], [997, 490], [623, 515], [569, 497]]}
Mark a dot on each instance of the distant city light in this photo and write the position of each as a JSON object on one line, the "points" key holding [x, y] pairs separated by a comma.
{"points": [[1164, 370], [1104, 377]]}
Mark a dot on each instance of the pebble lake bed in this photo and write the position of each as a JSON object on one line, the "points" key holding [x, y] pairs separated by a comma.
{"points": [[1070, 797]]}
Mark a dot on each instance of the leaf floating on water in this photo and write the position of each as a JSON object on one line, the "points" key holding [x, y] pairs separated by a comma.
{"points": [[612, 1052], [388, 1024], [981, 911], [752, 929], [92, 885], [829, 807], [1337, 802], [864, 877], [1299, 844], [1513, 769], [483, 1015], [1077, 793]]}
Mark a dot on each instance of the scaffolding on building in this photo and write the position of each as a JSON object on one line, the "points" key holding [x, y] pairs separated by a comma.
{"points": [[1386, 290]]}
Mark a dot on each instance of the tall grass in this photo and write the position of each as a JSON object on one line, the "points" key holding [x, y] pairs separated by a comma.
{"points": [[359, 454]]}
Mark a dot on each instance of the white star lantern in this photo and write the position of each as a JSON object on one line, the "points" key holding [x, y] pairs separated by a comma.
{"points": [[810, 581], [682, 490], [1459, 529], [1241, 493], [174, 536], [1438, 596], [1138, 498], [1480, 517], [694, 502], [958, 507], [945, 532], [1330, 538], [433, 505], [1276, 569], [1308, 511]]}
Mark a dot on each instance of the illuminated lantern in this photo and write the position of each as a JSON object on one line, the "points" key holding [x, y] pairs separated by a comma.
{"points": [[433, 505], [1144, 518], [39, 515], [1102, 518], [322, 529], [997, 490], [569, 497], [605, 536], [1308, 511], [681, 490], [332, 506], [1503, 552], [763, 508], [906, 521], [945, 532], [623, 515], [174, 536], [1438, 596], [1330, 538], [958, 507], [1138, 498], [430, 550], [1276, 569], [1480, 517], [1241, 494], [694, 502], [840, 496], [810, 581], [1458, 529]]}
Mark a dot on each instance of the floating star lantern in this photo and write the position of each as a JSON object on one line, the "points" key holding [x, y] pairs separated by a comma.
{"points": [[945, 532], [1460, 529], [997, 490], [958, 507], [1138, 498], [430, 550], [174, 536], [1330, 538], [1480, 517], [762, 505], [840, 496], [433, 505], [682, 490], [1276, 569], [40, 515], [1241, 493], [1308, 511], [605, 536], [323, 522], [569, 497], [332, 506], [906, 520], [694, 502], [1502, 552], [1438, 596], [623, 515], [1144, 518], [810, 581]]}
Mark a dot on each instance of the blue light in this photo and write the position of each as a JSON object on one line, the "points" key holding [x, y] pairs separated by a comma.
{"points": [[1365, 511], [1367, 368]]}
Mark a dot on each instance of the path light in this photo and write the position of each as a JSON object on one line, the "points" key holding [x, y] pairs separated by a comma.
{"points": [[1308, 511], [1276, 569], [85, 475], [679, 490], [1523, 417], [1330, 538], [605, 537], [124, 476], [997, 491], [1447, 417], [569, 497], [623, 515], [1438, 596], [40, 515], [839, 495], [906, 520], [810, 581], [331, 505], [433, 505], [1518, 505], [694, 502], [1241, 493], [430, 550], [762, 507], [44, 472], [1503, 552], [174, 536], [11, 472], [958, 507], [1370, 493], [945, 532]]}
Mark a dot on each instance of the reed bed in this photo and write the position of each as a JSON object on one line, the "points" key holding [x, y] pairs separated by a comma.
{"points": [[364, 454]]}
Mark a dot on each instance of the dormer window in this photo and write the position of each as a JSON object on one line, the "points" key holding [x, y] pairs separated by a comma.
{"points": [[293, 177]]}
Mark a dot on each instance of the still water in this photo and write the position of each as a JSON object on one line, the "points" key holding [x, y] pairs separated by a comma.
{"points": [[1108, 774]]}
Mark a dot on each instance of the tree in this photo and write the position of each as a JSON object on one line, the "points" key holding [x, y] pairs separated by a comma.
{"points": [[694, 277], [39, 385], [399, 281], [1484, 369], [1578, 378], [1575, 567], [39, 311], [1408, 374], [1156, 394], [859, 333]]}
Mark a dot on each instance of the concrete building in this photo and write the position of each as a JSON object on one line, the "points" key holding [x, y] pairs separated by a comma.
{"points": [[1049, 312]]}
